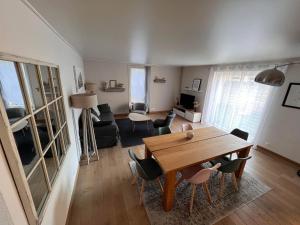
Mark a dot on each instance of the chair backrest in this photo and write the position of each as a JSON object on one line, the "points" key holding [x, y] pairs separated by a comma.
{"points": [[233, 165], [139, 106], [169, 119], [203, 175], [239, 133], [16, 112], [186, 126], [141, 172], [163, 130]]}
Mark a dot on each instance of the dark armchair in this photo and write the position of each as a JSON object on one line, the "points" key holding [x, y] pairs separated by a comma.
{"points": [[167, 122]]}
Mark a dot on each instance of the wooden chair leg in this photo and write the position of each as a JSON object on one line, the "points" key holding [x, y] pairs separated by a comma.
{"points": [[234, 182], [142, 192], [134, 179], [179, 181], [192, 197], [206, 189], [221, 185], [160, 185]]}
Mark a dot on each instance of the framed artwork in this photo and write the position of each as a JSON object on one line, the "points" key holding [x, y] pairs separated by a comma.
{"points": [[78, 79], [292, 96], [196, 84], [113, 83]]}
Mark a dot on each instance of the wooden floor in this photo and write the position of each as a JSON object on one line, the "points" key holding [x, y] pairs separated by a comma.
{"points": [[104, 194]]}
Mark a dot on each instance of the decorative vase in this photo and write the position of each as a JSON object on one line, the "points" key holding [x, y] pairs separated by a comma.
{"points": [[189, 135]]}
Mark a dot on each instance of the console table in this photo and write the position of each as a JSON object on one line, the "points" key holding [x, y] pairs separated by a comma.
{"points": [[188, 114]]}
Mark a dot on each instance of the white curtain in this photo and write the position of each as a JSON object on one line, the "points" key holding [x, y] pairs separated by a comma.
{"points": [[234, 100]]}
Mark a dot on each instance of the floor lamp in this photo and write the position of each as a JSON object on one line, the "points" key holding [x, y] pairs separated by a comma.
{"points": [[85, 102]]}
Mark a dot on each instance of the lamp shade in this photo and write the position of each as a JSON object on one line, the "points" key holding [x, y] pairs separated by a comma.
{"points": [[91, 87], [271, 77], [84, 101]]}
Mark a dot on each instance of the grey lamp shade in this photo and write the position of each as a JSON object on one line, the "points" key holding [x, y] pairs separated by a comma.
{"points": [[91, 87], [84, 101], [271, 77]]}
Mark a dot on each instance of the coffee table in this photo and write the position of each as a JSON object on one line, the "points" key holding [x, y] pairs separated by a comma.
{"points": [[136, 117]]}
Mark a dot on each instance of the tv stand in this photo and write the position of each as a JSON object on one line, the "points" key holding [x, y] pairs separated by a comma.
{"points": [[188, 114]]}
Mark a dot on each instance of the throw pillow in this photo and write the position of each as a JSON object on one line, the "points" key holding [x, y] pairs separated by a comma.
{"points": [[94, 118]]}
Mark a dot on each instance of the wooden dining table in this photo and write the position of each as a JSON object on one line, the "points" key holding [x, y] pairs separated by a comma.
{"points": [[174, 152]]}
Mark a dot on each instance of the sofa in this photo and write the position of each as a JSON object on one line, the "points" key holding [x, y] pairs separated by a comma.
{"points": [[105, 127]]}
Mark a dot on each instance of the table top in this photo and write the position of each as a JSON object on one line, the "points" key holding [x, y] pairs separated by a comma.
{"points": [[209, 144], [171, 140], [138, 117]]}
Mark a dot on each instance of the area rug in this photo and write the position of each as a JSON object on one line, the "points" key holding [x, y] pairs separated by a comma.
{"points": [[203, 213], [132, 138]]}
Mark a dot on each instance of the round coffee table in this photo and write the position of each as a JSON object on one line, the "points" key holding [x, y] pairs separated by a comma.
{"points": [[136, 117]]}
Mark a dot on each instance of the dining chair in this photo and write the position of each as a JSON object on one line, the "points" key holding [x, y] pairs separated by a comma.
{"points": [[163, 130], [197, 175], [229, 167], [148, 169], [186, 126], [167, 122], [239, 133]]}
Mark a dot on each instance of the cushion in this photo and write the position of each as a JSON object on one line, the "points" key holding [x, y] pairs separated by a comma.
{"points": [[95, 118], [96, 110]]}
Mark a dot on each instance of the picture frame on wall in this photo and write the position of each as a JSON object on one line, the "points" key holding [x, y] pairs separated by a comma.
{"points": [[196, 86], [112, 83], [78, 79], [292, 96]]}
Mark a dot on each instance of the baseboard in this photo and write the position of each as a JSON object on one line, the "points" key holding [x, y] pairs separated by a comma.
{"points": [[72, 197], [158, 112], [263, 149]]}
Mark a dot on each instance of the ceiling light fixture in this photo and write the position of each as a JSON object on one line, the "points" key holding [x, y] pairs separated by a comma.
{"points": [[273, 77]]}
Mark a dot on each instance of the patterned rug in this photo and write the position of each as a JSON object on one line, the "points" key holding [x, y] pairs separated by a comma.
{"points": [[203, 213]]}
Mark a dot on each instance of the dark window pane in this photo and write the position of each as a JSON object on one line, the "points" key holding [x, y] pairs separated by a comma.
{"points": [[38, 187], [61, 111], [66, 137], [47, 83], [53, 117], [10, 91], [33, 86], [56, 81], [59, 147], [42, 127], [50, 163], [26, 146]]}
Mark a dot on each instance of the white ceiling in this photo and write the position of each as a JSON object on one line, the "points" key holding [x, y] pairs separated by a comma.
{"points": [[177, 32]]}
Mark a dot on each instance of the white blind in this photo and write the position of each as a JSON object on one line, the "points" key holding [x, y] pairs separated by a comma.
{"points": [[234, 100]]}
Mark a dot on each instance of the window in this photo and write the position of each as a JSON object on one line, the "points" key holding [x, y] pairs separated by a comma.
{"points": [[236, 101], [138, 85], [33, 102]]}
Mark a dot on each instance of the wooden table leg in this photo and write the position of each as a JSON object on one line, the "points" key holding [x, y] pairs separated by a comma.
{"points": [[148, 153], [169, 190], [242, 154]]}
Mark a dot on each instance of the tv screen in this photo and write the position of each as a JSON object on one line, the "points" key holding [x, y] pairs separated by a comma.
{"points": [[187, 101]]}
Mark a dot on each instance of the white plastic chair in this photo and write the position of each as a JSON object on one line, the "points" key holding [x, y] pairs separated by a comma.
{"points": [[198, 175]]}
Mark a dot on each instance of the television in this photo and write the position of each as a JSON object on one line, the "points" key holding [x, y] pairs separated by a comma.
{"points": [[187, 101]]}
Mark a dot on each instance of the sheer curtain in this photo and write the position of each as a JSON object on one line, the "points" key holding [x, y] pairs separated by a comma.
{"points": [[234, 100]]}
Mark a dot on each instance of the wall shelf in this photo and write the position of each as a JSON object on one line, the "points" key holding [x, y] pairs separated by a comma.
{"points": [[114, 89]]}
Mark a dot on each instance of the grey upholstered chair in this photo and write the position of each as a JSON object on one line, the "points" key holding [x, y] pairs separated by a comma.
{"points": [[167, 122], [148, 169], [163, 130], [139, 107], [229, 167]]}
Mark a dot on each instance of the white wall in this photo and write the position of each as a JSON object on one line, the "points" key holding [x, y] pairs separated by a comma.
{"points": [[99, 72], [195, 72], [24, 34], [162, 96], [281, 132]]}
